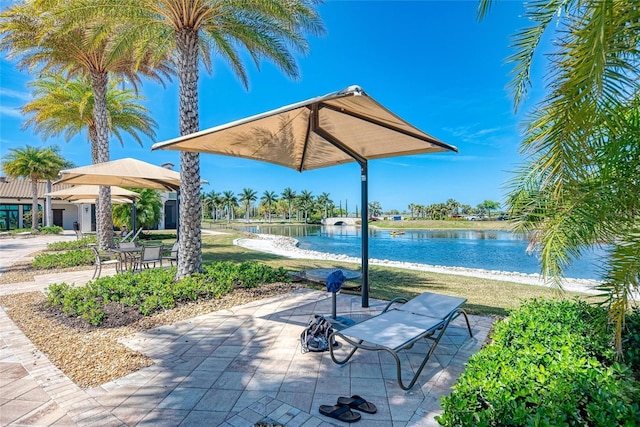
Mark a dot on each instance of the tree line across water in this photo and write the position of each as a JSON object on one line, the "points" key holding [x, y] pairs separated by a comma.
{"points": [[305, 206]]}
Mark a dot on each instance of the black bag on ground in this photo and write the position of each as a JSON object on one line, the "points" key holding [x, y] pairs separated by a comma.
{"points": [[315, 336]]}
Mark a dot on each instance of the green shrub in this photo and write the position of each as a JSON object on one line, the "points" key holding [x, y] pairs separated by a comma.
{"points": [[550, 363], [70, 258], [21, 230], [51, 229], [154, 289], [72, 244], [631, 342]]}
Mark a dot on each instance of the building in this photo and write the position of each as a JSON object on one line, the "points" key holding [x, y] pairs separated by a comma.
{"points": [[15, 204]]}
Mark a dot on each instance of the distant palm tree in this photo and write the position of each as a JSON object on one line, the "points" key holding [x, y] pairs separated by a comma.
{"points": [[247, 197], [306, 202], [269, 197], [289, 195], [36, 164], [66, 106], [213, 200], [453, 206], [323, 201], [230, 201]]}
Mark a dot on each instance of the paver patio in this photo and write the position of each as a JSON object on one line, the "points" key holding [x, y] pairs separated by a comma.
{"points": [[233, 368]]}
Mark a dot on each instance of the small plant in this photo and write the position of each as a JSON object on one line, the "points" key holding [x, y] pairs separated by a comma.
{"points": [[154, 289], [51, 229], [631, 342], [72, 244], [70, 258]]}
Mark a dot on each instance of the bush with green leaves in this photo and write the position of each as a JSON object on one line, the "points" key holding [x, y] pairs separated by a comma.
{"points": [[631, 342], [550, 363], [72, 258], [154, 289], [51, 229], [72, 244]]}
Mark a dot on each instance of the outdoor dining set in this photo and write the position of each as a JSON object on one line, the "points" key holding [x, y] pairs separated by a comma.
{"points": [[133, 257]]}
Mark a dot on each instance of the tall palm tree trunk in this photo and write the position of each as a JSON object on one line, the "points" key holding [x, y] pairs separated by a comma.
{"points": [[34, 203], [104, 220], [189, 253], [93, 139]]}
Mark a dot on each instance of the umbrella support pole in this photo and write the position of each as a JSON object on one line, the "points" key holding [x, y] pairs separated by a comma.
{"points": [[364, 193]]}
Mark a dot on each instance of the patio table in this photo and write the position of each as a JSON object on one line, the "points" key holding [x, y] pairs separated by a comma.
{"points": [[320, 275], [128, 257]]}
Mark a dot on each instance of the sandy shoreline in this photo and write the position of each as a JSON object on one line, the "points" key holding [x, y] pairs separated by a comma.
{"points": [[287, 247]]}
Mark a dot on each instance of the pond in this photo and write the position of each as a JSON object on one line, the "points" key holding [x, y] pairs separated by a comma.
{"points": [[489, 250]]}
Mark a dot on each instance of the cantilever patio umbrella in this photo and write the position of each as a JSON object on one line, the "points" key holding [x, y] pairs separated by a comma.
{"points": [[124, 172], [89, 193], [80, 192], [341, 127]]}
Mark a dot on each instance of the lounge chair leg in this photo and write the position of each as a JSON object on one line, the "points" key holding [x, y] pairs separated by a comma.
{"points": [[468, 324], [332, 339]]}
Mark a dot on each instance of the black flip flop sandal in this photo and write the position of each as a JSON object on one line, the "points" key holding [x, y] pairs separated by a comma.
{"points": [[340, 412], [357, 402]]}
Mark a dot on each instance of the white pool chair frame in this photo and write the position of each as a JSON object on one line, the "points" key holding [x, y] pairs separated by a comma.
{"points": [[405, 325]]}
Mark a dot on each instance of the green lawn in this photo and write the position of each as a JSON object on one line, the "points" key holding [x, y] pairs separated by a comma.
{"points": [[484, 296]]}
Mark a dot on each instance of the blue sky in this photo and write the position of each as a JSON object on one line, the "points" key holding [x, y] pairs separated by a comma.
{"points": [[430, 62]]}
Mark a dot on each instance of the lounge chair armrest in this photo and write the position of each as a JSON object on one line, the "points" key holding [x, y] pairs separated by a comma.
{"points": [[397, 300]]}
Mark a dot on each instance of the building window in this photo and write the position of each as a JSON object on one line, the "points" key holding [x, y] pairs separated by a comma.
{"points": [[10, 216]]}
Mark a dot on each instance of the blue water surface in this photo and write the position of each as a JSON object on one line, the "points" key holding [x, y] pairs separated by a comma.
{"points": [[489, 250]]}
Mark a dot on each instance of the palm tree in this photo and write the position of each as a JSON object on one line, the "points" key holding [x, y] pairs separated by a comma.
{"points": [[52, 36], [453, 206], [247, 197], [66, 106], [148, 208], [230, 201], [324, 200], [190, 31], [289, 195], [36, 164], [212, 199], [375, 209], [305, 199], [488, 206], [579, 185], [269, 197]]}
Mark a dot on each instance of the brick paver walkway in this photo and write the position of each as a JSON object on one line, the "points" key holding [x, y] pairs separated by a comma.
{"points": [[233, 368]]}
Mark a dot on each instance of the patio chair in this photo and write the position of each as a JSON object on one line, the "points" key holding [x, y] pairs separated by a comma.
{"points": [[172, 257], [150, 255], [426, 316], [101, 259], [131, 235]]}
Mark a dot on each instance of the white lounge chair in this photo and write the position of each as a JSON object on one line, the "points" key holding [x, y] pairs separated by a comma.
{"points": [[425, 316]]}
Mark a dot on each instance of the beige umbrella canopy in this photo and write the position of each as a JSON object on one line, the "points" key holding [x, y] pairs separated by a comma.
{"points": [[341, 127], [124, 172], [114, 201], [92, 192]]}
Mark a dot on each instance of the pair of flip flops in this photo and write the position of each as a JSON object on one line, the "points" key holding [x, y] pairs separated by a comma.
{"points": [[342, 411]]}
